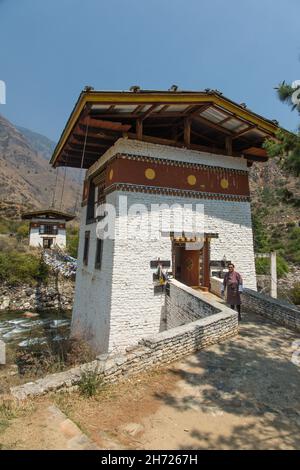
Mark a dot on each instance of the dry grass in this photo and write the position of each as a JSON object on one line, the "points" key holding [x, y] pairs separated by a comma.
{"points": [[11, 409], [114, 405], [41, 360]]}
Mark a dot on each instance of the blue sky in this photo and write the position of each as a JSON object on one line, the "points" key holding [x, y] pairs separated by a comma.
{"points": [[51, 49]]}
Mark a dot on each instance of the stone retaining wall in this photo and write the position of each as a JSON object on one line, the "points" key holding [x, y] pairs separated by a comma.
{"points": [[158, 350], [274, 309], [184, 305], [56, 295]]}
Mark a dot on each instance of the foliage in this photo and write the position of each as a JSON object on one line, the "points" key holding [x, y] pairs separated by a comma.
{"points": [[72, 241], [22, 231], [8, 226], [17, 267], [263, 266], [294, 294], [292, 248], [286, 144], [89, 382], [52, 356], [261, 242]]}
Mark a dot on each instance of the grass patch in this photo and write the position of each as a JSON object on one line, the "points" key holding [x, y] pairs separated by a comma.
{"points": [[89, 383], [42, 359], [11, 409], [17, 267]]}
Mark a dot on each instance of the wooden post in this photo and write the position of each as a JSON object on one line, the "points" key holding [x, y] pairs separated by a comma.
{"points": [[228, 142], [139, 129], [273, 270], [206, 263], [187, 132], [273, 275]]}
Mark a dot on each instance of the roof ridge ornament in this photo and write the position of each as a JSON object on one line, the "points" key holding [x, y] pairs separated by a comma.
{"points": [[135, 88], [88, 88]]}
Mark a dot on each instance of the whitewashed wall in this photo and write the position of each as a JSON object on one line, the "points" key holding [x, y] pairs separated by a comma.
{"points": [[116, 306], [36, 240]]}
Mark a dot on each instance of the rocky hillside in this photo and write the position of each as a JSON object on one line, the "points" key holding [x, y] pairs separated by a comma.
{"points": [[275, 193], [27, 179]]}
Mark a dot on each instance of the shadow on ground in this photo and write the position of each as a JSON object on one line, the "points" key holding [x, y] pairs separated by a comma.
{"points": [[251, 377]]}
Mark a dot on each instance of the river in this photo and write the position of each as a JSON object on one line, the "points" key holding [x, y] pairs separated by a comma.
{"points": [[18, 331]]}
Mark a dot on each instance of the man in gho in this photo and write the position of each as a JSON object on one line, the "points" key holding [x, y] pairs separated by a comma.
{"points": [[233, 283]]}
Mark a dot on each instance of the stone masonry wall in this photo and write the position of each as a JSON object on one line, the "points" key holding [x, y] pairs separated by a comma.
{"points": [[57, 294], [184, 305], [151, 352], [273, 309]]}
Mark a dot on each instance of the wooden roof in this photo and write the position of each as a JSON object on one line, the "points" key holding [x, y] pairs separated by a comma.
{"points": [[47, 214], [204, 121]]}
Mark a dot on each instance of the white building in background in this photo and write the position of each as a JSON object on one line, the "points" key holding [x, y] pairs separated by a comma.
{"points": [[47, 228], [157, 148]]}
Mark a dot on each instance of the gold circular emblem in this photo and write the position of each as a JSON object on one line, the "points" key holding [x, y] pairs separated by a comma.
{"points": [[150, 174], [191, 179], [111, 174], [224, 183]]}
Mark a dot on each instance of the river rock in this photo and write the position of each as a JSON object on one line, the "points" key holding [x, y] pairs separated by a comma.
{"points": [[30, 314], [4, 305]]}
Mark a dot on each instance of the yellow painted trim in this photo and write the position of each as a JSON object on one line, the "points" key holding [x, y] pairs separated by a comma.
{"points": [[172, 98]]}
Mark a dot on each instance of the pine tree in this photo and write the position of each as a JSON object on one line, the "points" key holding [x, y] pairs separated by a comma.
{"points": [[287, 144]]}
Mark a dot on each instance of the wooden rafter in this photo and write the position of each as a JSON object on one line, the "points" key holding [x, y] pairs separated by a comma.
{"points": [[109, 125], [213, 125], [91, 140], [187, 131], [139, 129], [104, 133], [244, 131], [148, 112]]}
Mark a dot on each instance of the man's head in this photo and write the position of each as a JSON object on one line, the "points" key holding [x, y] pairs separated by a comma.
{"points": [[231, 267]]}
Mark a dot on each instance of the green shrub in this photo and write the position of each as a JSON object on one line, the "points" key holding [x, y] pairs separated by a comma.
{"points": [[17, 268], [14, 226], [292, 249], [263, 266], [89, 382], [294, 294], [72, 241], [23, 231], [261, 241]]}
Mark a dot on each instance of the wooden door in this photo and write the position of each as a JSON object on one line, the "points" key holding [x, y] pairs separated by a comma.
{"points": [[190, 267]]}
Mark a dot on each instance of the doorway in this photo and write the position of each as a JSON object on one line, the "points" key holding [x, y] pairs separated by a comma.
{"points": [[190, 269], [191, 266], [47, 242]]}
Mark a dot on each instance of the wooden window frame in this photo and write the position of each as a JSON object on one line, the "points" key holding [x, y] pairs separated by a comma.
{"points": [[99, 252], [91, 204], [86, 248]]}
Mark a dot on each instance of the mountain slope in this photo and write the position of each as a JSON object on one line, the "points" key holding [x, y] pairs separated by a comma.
{"points": [[27, 179], [38, 142], [275, 193]]}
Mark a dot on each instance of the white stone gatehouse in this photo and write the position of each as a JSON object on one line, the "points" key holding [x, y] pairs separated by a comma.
{"points": [[47, 228], [152, 150]]}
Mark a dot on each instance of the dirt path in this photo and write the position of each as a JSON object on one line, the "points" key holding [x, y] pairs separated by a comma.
{"points": [[243, 393]]}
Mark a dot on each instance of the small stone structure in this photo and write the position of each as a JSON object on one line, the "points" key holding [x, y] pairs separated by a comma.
{"points": [[47, 227], [153, 351]]}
